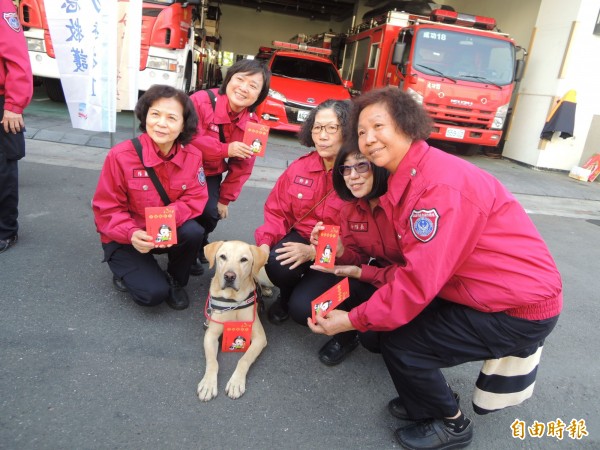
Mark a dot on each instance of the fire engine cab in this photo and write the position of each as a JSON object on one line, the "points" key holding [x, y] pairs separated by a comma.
{"points": [[461, 71], [301, 78]]}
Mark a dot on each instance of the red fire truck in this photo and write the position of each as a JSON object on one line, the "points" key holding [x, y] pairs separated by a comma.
{"points": [[167, 46], [461, 71]]}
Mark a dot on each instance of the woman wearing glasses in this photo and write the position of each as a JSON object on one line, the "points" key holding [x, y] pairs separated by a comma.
{"points": [[367, 248], [303, 196]]}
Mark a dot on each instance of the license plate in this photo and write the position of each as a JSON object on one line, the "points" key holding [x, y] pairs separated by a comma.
{"points": [[455, 133], [302, 115]]}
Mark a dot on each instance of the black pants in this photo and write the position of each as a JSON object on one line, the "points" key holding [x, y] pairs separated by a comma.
{"points": [[210, 216], [140, 271], [299, 286], [12, 148], [446, 334]]}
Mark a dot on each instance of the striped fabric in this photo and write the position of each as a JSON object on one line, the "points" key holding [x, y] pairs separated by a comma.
{"points": [[506, 381]]}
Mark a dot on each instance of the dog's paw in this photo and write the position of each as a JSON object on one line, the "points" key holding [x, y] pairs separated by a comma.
{"points": [[236, 386], [207, 389]]}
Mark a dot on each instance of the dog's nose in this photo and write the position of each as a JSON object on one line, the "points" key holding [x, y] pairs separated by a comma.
{"points": [[229, 277]]}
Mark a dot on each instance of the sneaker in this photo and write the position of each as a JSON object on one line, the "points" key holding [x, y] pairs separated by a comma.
{"points": [[7, 243], [278, 311], [433, 434], [178, 298], [397, 409]]}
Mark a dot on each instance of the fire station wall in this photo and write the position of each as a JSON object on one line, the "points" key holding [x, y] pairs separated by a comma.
{"points": [[559, 38], [244, 30], [563, 57]]}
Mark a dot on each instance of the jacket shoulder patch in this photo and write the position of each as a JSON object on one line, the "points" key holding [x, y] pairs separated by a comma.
{"points": [[424, 224]]}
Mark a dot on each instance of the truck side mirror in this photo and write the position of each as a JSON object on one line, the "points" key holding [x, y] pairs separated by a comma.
{"points": [[519, 68], [398, 56]]}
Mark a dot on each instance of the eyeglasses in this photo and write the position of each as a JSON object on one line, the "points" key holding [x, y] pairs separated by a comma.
{"points": [[329, 128], [361, 167]]}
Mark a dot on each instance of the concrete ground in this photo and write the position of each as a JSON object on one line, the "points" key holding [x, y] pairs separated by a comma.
{"points": [[81, 366]]}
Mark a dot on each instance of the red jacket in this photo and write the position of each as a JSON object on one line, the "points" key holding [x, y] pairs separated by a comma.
{"points": [[214, 152], [16, 80], [465, 238], [303, 184], [369, 234], [124, 188]]}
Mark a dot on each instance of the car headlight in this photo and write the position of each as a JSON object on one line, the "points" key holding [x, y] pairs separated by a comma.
{"points": [[499, 118], [277, 95], [415, 95], [35, 45], [155, 62]]}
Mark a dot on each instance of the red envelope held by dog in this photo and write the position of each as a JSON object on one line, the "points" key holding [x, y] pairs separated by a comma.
{"points": [[236, 336]]}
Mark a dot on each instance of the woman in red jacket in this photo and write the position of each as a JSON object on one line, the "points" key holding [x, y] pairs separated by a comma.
{"points": [[302, 196], [168, 120], [479, 282], [367, 248], [221, 126]]}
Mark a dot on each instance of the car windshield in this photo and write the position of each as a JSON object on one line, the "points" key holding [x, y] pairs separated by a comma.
{"points": [[462, 56], [305, 69]]}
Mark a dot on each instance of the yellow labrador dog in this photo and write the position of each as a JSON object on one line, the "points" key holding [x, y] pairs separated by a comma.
{"points": [[232, 296]]}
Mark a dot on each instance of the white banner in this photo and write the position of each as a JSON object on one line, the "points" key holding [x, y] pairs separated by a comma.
{"points": [[129, 37], [84, 36]]}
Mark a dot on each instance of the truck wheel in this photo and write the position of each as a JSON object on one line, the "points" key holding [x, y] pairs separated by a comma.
{"points": [[54, 90], [468, 149]]}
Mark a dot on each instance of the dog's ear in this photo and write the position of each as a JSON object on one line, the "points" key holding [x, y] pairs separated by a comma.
{"points": [[260, 259], [210, 252]]}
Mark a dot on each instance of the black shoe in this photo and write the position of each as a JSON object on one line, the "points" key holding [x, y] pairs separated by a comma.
{"points": [[433, 434], [196, 269], [178, 298], [119, 284], [7, 243], [398, 410], [278, 312], [334, 352]]}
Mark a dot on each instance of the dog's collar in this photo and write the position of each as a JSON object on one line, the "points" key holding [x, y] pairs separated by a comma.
{"points": [[227, 304]]}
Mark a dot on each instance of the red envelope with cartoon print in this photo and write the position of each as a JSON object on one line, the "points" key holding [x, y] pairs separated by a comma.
{"points": [[161, 225], [330, 299], [256, 136], [327, 247], [236, 336]]}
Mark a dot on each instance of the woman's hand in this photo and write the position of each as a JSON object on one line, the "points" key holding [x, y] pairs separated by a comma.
{"points": [[238, 149], [222, 210], [295, 253], [340, 271], [142, 241], [337, 321], [314, 234]]}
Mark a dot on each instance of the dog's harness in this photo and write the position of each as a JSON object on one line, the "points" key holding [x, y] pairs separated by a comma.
{"points": [[222, 304]]}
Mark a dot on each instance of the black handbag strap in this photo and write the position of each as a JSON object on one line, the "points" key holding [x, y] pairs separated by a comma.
{"points": [[151, 173], [213, 101]]}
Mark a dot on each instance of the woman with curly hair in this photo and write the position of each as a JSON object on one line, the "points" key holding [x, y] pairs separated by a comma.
{"points": [[168, 121]]}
